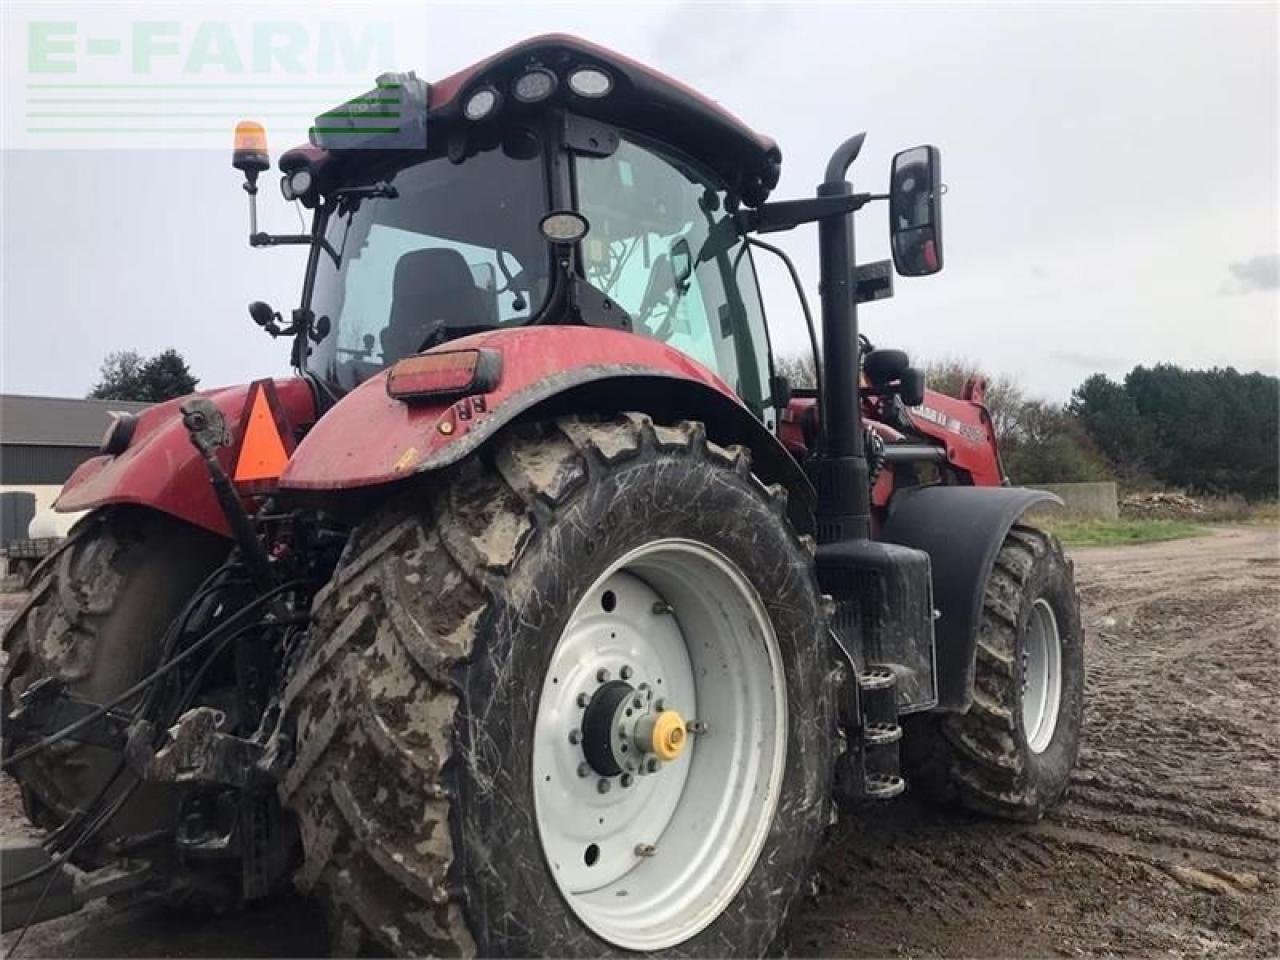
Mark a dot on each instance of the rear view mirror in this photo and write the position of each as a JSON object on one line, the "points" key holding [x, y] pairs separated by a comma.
{"points": [[681, 262], [915, 211]]}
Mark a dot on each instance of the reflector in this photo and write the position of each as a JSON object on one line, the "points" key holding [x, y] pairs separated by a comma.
{"points": [[262, 450], [451, 373]]}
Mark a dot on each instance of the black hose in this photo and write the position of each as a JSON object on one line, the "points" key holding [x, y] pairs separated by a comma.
{"points": [[808, 321], [158, 673]]}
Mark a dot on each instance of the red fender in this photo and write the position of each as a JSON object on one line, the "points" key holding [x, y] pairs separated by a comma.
{"points": [[161, 468], [372, 438]]}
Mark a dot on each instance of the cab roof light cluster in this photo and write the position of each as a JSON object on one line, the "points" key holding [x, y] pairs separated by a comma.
{"points": [[445, 375], [590, 82], [481, 103], [535, 85]]}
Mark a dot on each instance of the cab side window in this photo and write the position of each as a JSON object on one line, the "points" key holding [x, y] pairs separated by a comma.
{"points": [[664, 248]]}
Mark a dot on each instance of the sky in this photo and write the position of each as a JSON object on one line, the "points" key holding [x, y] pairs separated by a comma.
{"points": [[1112, 188]]}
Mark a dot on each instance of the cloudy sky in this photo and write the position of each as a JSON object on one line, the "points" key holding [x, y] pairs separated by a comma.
{"points": [[1111, 172]]}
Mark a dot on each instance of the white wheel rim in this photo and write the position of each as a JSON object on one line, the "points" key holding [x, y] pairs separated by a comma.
{"points": [[705, 815], [1041, 676]]}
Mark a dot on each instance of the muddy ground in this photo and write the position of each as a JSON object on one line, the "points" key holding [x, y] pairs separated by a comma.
{"points": [[1166, 846]]}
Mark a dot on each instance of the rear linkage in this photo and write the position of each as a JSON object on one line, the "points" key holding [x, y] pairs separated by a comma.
{"points": [[238, 634]]}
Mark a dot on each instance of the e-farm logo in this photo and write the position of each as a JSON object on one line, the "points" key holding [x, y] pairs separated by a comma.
{"points": [[154, 75]]}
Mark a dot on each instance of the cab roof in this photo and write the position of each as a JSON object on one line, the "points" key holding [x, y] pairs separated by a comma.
{"points": [[641, 100]]}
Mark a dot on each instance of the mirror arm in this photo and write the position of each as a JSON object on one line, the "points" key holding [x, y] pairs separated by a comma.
{"points": [[277, 240], [788, 214]]}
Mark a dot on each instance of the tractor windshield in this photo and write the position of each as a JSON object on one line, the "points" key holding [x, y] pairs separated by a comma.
{"points": [[456, 251]]}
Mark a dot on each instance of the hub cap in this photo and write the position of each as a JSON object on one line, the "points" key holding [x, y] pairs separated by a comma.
{"points": [[659, 745], [1041, 677]]}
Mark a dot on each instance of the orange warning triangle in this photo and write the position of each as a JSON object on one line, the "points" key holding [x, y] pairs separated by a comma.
{"points": [[262, 452]]}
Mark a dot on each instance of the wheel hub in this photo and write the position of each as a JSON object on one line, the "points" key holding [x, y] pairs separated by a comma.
{"points": [[626, 731]]}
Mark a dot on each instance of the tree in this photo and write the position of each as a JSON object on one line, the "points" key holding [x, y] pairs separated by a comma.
{"points": [[1051, 446], [1108, 415], [1004, 395], [125, 375], [1210, 431], [797, 369]]}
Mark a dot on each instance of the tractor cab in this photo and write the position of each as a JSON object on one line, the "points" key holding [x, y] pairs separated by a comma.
{"points": [[412, 248]]}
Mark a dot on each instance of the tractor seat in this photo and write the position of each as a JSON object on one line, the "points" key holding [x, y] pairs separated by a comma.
{"points": [[431, 288]]}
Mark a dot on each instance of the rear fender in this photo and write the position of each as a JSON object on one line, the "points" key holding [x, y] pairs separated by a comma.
{"points": [[371, 439], [961, 528], [161, 469]]}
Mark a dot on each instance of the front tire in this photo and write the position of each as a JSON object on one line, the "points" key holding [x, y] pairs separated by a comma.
{"points": [[1011, 755], [427, 706]]}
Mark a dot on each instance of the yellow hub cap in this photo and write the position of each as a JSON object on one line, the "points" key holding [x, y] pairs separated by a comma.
{"points": [[668, 738]]}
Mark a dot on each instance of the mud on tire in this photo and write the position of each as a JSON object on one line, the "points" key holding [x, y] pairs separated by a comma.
{"points": [[412, 710], [982, 758], [97, 611]]}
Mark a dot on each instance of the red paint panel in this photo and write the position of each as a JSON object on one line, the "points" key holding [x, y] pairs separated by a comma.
{"points": [[967, 432], [371, 438], [161, 468]]}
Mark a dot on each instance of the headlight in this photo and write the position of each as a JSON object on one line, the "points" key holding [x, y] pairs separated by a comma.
{"points": [[480, 104], [296, 184], [300, 182], [564, 226], [537, 84], [590, 82]]}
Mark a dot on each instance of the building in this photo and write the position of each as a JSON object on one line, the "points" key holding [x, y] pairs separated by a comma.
{"points": [[42, 441]]}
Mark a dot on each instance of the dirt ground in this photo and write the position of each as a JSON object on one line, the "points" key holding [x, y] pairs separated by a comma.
{"points": [[1167, 844]]}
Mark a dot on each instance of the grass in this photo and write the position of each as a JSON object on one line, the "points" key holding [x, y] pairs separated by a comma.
{"points": [[1114, 533]]}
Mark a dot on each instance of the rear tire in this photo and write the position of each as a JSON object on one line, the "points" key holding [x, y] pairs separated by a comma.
{"points": [[1012, 753], [416, 704], [96, 614]]}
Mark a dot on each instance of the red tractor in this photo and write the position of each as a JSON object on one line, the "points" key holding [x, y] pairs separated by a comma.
{"points": [[534, 614]]}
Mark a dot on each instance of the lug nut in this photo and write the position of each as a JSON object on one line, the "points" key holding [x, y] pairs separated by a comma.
{"points": [[603, 785], [626, 673], [575, 737], [583, 700], [627, 779], [602, 675], [651, 765], [638, 703], [696, 726], [584, 769], [660, 705], [645, 849]]}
